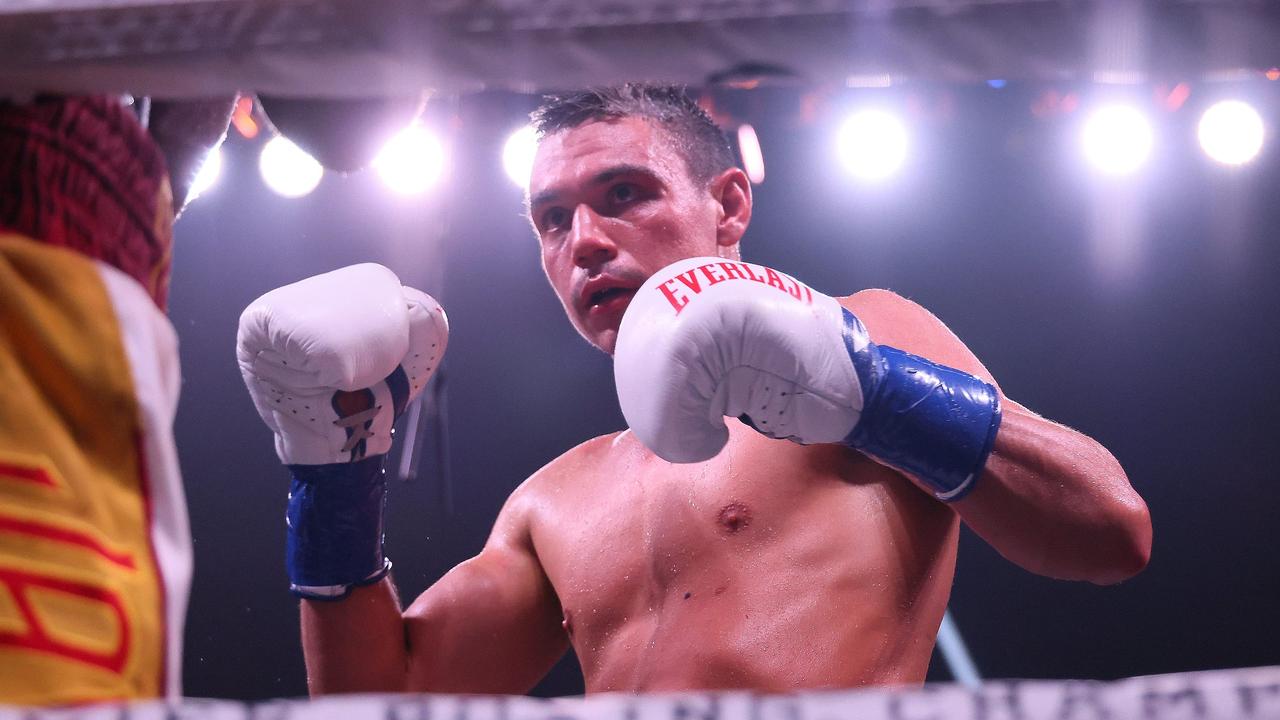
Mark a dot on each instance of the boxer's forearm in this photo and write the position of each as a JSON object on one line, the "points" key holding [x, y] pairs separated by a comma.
{"points": [[1058, 503], [356, 644]]}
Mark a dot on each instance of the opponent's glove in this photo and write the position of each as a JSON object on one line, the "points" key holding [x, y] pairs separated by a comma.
{"points": [[706, 338], [330, 362]]}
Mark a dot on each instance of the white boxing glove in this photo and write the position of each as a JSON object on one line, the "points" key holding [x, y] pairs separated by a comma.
{"points": [[330, 361], [708, 337]]}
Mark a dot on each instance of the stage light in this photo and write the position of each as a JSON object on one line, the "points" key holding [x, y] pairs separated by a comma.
{"points": [[287, 169], [872, 144], [411, 162], [208, 174], [752, 157], [1117, 139], [517, 155], [1231, 132]]}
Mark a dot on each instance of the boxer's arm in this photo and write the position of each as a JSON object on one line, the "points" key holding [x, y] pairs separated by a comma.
{"points": [[1050, 499], [490, 625], [355, 644]]}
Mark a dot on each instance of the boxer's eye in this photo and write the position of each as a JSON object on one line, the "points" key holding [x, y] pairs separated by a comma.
{"points": [[554, 219], [623, 193]]}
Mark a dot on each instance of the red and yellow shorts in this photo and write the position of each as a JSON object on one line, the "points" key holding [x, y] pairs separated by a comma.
{"points": [[95, 550]]}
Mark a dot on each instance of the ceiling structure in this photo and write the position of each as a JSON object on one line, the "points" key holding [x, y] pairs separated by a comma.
{"points": [[353, 48]]}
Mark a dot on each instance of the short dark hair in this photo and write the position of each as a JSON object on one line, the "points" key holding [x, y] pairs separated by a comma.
{"points": [[699, 140]]}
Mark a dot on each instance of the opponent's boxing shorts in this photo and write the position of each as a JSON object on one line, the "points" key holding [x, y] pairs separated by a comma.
{"points": [[95, 549]]}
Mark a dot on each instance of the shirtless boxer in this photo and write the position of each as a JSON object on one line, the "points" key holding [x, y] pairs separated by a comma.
{"points": [[772, 565]]}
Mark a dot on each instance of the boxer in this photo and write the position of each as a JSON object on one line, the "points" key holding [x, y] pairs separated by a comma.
{"points": [[783, 511]]}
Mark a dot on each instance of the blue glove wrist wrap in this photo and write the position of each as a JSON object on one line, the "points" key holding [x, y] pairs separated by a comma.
{"points": [[335, 527], [934, 422]]}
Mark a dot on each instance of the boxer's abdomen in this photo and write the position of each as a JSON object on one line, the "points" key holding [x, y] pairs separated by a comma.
{"points": [[771, 567]]}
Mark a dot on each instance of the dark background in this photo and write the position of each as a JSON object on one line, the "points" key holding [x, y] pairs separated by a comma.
{"points": [[1139, 310]]}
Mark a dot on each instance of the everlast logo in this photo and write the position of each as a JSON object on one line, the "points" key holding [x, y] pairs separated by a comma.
{"points": [[677, 289]]}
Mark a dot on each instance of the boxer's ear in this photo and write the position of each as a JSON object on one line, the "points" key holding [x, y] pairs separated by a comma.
{"points": [[731, 191]]}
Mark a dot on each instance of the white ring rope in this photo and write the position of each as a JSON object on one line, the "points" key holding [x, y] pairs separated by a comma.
{"points": [[1212, 695]]}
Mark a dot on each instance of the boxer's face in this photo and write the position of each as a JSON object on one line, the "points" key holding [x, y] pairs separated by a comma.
{"points": [[612, 202]]}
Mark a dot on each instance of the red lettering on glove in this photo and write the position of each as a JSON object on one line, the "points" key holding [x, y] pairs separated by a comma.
{"points": [[678, 298]]}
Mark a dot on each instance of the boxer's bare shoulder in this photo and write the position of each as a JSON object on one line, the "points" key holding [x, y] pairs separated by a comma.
{"points": [[573, 467], [572, 478], [894, 320]]}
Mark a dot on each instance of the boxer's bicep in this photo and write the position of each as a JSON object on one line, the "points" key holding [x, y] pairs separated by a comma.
{"points": [[490, 625]]}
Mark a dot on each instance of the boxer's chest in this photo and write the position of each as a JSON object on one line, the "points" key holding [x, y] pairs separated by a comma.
{"points": [[644, 532]]}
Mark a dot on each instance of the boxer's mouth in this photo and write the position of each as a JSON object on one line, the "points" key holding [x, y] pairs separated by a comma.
{"points": [[601, 297], [606, 293]]}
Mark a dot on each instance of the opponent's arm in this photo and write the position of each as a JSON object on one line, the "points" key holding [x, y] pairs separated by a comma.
{"points": [[490, 625], [1050, 499]]}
